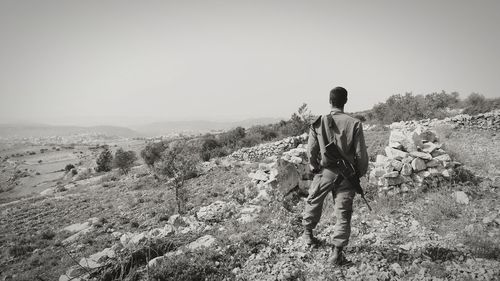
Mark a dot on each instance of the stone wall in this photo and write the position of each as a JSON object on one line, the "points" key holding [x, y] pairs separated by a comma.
{"points": [[266, 150], [484, 121]]}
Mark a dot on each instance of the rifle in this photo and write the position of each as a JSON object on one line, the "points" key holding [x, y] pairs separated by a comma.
{"points": [[335, 160]]}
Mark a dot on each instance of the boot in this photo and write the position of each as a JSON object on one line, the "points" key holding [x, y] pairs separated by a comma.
{"points": [[309, 237], [338, 257]]}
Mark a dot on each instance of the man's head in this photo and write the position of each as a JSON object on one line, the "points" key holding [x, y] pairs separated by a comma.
{"points": [[338, 97]]}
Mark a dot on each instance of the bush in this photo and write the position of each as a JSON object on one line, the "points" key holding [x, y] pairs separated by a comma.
{"points": [[104, 161], [477, 103], [414, 107], [265, 133], [211, 148], [232, 137], [203, 265], [152, 152], [69, 167], [124, 160]]}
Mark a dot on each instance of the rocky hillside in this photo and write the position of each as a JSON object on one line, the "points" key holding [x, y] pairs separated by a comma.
{"points": [[244, 220]]}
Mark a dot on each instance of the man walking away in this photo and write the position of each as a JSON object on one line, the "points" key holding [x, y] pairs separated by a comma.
{"points": [[346, 133]]}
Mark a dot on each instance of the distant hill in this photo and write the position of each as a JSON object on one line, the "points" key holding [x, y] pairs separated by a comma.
{"points": [[199, 126], [151, 129], [42, 130]]}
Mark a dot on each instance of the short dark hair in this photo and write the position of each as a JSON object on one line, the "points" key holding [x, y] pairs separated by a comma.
{"points": [[338, 97]]}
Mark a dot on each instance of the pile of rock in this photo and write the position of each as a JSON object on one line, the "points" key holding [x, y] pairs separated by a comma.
{"points": [[413, 158], [265, 150]]}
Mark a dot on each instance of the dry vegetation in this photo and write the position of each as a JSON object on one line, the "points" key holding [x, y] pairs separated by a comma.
{"points": [[425, 235]]}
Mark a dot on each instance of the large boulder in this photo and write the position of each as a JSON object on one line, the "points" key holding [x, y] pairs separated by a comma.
{"points": [[288, 177], [400, 138]]}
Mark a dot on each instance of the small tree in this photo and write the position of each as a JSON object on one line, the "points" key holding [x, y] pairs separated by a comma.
{"points": [[104, 161], [152, 152], [178, 164], [124, 160]]}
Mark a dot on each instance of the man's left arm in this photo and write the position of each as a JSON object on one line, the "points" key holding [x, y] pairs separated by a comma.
{"points": [[361, 156]]}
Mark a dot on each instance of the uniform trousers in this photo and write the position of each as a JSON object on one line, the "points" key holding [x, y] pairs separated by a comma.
{"points": [[343, 196]]}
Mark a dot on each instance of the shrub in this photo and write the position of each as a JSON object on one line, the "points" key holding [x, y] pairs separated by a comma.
{"points": [[232, 137], [152, 152], [477, 103], [266, 133], [104, 161], [203, 265], [211, 148], [124, 160], [69, 167]]}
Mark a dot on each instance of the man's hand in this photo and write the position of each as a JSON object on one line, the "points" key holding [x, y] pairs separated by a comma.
{"points": [[314, 170]]}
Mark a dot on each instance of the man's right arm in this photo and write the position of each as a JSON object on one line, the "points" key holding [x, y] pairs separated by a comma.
{"points": [[313, 150]]}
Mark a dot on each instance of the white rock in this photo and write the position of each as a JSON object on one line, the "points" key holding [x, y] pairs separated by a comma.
{"points": [[418, 164], [443, 158], [166, 231], [76, 227], [429, 147], [393, 174], [381, 159], [397, 165], [406, 170], [424, 134], [97, 259], [259, 175], [206, 241], [403, 138], [424, 174], [73, 238], [421, 155], [405, 188], [130, 240], [433, 163], [156, 261], [445, 173], [397, 269], [461, 197], [395, 154]]}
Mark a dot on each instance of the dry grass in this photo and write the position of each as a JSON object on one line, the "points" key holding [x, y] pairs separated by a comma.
{"points": [[376, 141], [475, 149]]}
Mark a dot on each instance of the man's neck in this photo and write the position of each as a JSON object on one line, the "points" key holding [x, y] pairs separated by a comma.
{"points": [[337, 109]]}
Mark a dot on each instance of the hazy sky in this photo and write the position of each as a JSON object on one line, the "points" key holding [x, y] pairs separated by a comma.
{"points": [[122, 62]]}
